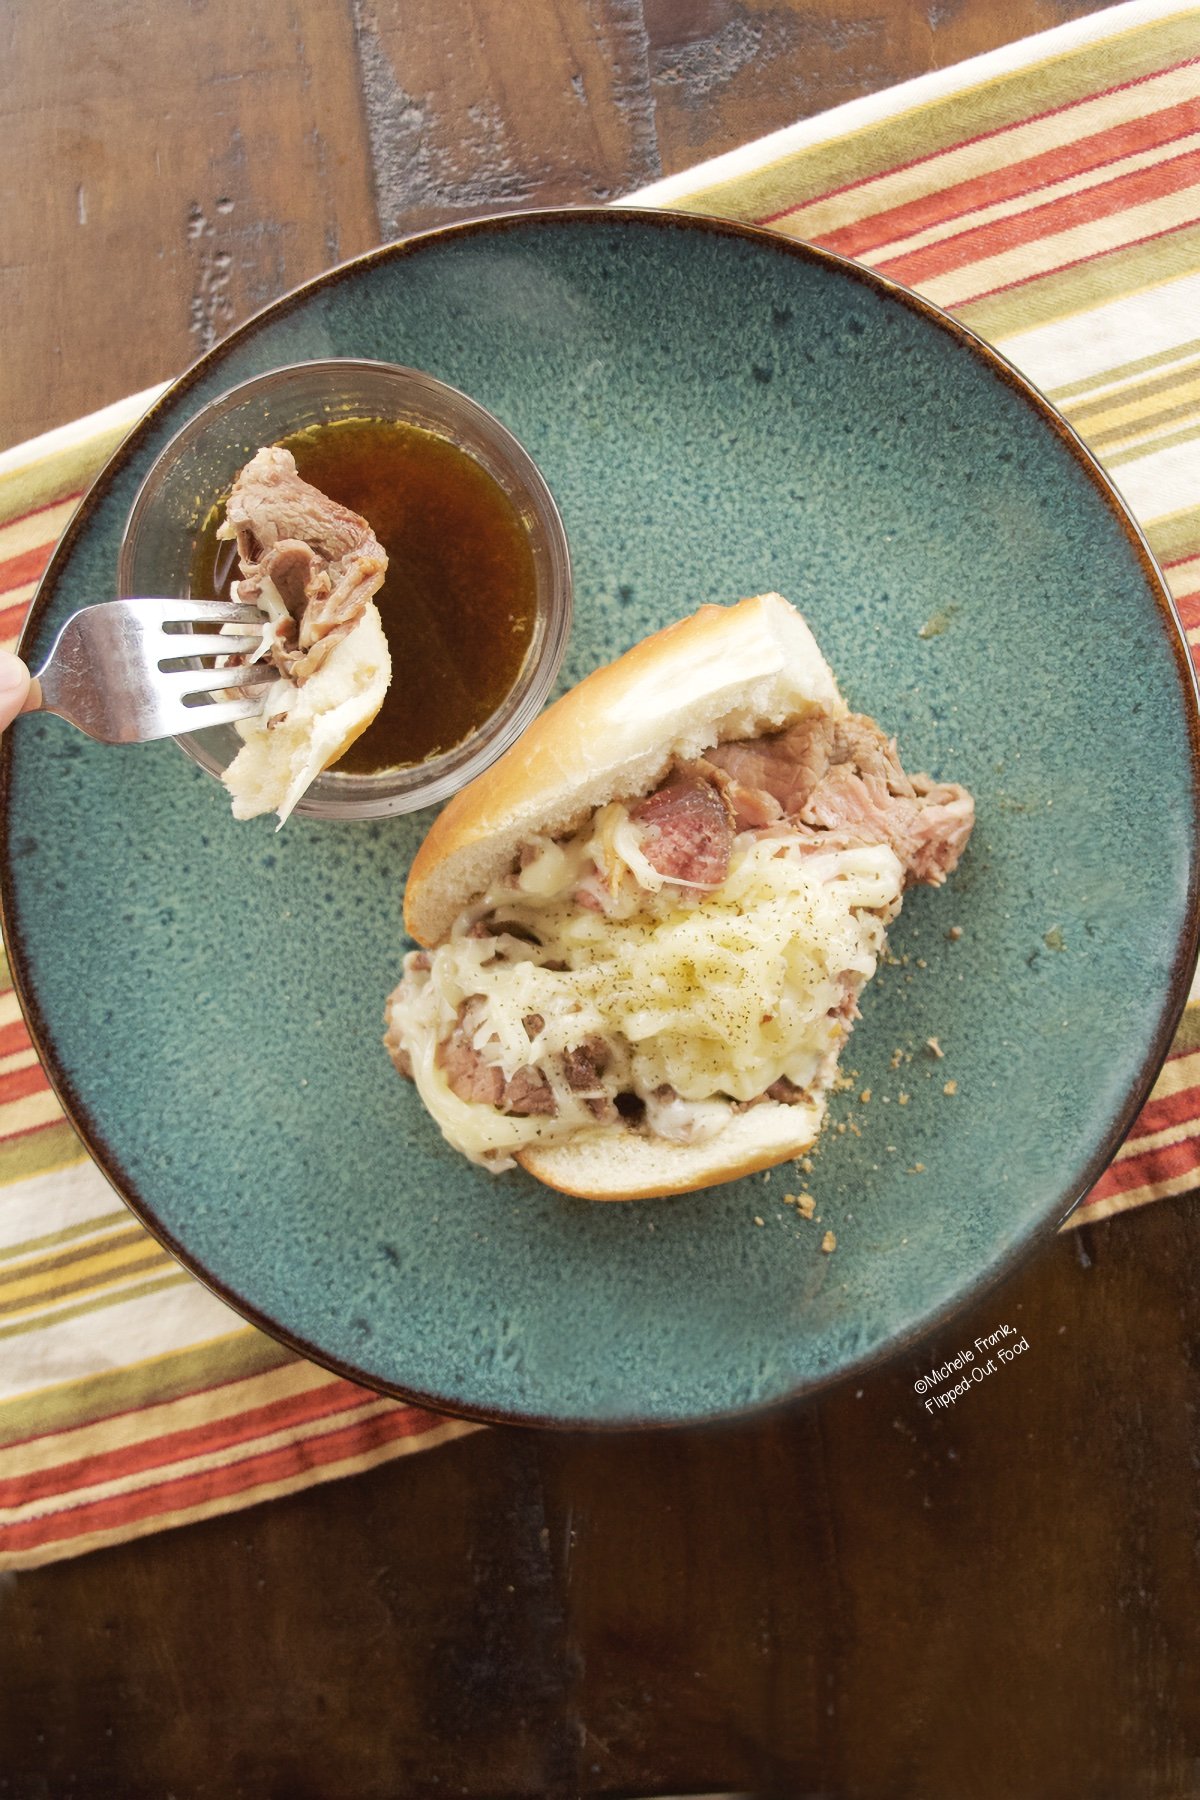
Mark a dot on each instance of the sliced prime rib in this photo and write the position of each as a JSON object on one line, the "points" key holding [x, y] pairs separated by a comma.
{"points": [[687, 830], [751, 808], [843, 776], [583, 1066], [832, 782], [470, 1076], [784, 768], [527, 1091], [323, 560]]}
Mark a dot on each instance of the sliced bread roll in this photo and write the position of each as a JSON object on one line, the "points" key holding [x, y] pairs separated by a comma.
{"points": [[303, 730], [648, 924], [609, 1165], [724, 672]]}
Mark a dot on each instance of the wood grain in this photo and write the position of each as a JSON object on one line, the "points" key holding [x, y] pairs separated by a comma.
{"points": [[476, 108], [760, 65], [168, 171], [857, 1598]]}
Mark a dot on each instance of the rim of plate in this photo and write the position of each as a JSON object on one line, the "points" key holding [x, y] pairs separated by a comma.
{"points": [[1182, 967]]}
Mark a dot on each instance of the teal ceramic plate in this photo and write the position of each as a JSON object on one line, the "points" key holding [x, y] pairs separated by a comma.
{"points": [[718, 412]]}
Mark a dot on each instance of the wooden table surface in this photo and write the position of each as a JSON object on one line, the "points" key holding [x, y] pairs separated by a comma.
{"points": [[853, 1599]]}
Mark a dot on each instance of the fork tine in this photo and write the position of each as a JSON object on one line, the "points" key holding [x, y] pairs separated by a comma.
{"points": [[174, 719], [186, 643], [105, 671], [163, 612], [179, 683], [220, 712]]}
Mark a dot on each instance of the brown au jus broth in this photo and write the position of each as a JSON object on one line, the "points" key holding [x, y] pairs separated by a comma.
{"points": [[459, 600]]}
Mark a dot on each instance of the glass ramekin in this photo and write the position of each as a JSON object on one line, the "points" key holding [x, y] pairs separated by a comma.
{"points": [[196, 471]]}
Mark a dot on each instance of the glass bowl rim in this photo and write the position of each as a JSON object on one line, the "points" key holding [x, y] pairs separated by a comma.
{"points": [[412, 787]]}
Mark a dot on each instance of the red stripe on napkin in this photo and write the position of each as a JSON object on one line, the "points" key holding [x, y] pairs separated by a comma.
{"points": [[14, 1037], [30, 565], [184, 1492], [17, 1084], [1016, 180], [1068, 211], [1172, 1109], [1155, 1165], [198, 1440], [982, 137]]}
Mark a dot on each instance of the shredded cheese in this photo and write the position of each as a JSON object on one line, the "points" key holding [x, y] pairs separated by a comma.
{"points": [[713, 995]]}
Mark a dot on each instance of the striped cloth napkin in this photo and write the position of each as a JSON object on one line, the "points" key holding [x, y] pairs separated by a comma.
{"points": [[1049, 195]]}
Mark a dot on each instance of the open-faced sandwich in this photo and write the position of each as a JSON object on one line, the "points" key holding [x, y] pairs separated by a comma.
{"points": [[312, 567], [646, 927]]}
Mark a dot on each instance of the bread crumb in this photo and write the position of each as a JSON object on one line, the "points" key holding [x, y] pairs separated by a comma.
{"points": [[759, 1221], [901, 1099], [921, 963], [897, 1058], [841, 1083], [917, 1169], [805, 1163], [840, 1128], [954, 933], [865, 1096], [951, 1087], [806, 1204], [829, 1243], [934, 1048]]}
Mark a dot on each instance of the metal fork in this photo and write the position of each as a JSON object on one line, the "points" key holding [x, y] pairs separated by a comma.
{"points": [[128, 671]]}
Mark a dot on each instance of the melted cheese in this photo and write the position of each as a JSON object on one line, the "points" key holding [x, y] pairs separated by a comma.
{"points": [[715, 995]]}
